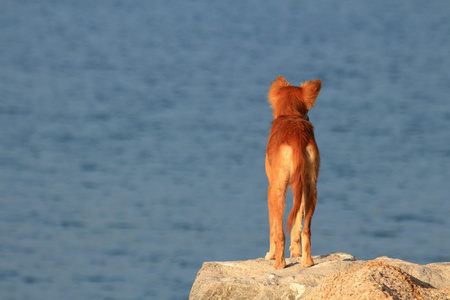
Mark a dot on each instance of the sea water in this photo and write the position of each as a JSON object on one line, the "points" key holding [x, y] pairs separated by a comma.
{"points": [[133, 135]]}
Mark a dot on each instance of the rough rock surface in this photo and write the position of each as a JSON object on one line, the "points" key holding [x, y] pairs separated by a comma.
{"points": [[334, 276]]}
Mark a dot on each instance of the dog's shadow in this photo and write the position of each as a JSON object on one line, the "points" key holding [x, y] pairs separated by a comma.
{"points": [[292, 264], [295, 263]]}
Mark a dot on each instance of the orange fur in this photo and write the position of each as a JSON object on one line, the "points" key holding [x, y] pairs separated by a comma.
{"points": [[292, 159]]}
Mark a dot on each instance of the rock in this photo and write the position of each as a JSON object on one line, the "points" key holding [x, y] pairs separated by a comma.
{"points": [[376, 280], [334, 276]]}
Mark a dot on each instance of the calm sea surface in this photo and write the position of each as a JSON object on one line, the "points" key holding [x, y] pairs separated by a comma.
{"points": [[133, 135]]}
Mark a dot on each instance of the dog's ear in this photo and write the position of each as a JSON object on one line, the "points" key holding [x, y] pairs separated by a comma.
{"points": [[275, 87], [310, 91]]}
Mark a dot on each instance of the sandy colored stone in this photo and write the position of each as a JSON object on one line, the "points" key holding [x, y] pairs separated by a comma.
{"points": [[334, 276], [375, 280]]}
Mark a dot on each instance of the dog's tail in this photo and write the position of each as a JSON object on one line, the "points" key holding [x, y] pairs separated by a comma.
{"points": [[299, 188], [275, 87], [304, 179]]}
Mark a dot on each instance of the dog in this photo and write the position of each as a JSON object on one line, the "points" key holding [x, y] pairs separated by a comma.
{"points": [[292, 159]]}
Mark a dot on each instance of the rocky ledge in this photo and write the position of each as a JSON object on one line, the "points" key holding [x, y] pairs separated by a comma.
{"points": [[334, 276]]}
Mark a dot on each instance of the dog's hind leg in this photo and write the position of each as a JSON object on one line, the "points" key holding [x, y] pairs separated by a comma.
{"points": [[272, 222], [271, 254], [313, 163], [306, 233], [276, 210], [295, 247], [272, 235], [279, 176], [309, 205]]}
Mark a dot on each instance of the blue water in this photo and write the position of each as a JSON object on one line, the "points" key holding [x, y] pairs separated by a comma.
{"points": [[133, 134]]}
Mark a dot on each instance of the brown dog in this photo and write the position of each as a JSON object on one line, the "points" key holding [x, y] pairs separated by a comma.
{"points": [[292, 159]]}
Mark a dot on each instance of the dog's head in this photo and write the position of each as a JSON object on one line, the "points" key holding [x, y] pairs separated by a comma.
{"points": [[289, 100]]}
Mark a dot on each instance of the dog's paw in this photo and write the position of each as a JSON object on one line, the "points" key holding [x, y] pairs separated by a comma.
{"points": [[280, 264], [306, 263], [296, 251], [269, 256]]}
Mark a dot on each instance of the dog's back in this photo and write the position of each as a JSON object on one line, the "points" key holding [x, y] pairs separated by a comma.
{"points": [[292, 158]]}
